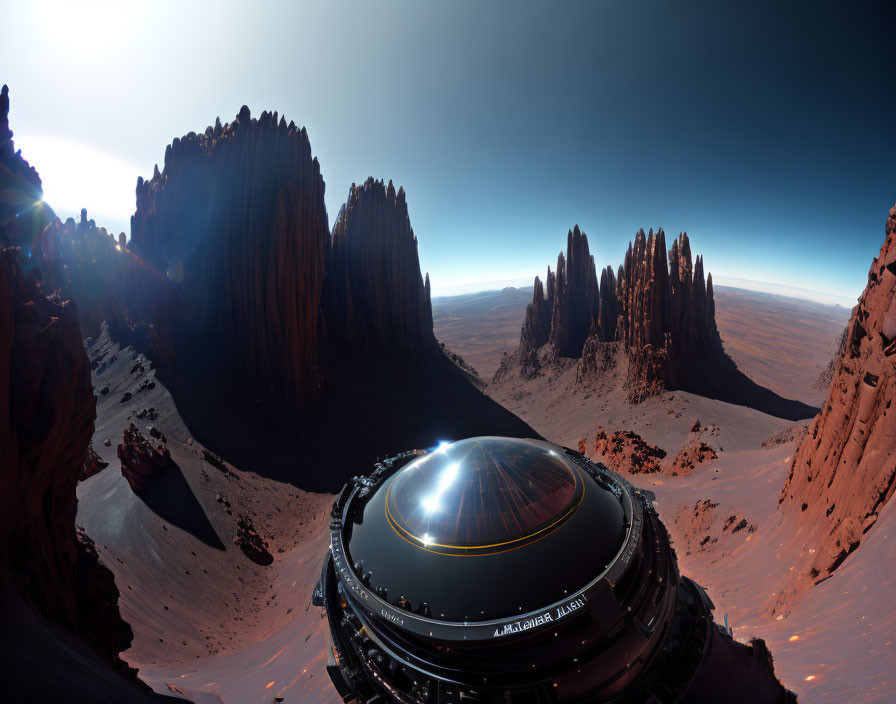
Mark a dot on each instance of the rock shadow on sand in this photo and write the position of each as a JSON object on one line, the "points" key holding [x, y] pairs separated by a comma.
{"points": [[171, 498]]}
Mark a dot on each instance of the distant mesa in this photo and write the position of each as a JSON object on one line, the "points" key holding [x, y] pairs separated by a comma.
{"points": [[844, 471], [655, 314]]}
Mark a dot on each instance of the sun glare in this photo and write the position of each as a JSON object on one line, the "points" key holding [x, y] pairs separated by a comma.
{"points": [[89, 26], [76, 176]]}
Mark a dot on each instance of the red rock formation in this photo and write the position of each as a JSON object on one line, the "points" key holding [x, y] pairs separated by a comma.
{"points": [[47, 409], [236, 221], [693, 453], [626, 451], [139, 459], [661, 310], [375, 297], [844, 470]]}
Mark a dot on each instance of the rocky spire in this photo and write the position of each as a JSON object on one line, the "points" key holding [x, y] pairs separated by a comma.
{"points": [[844, 471], [375, 296], [21, 212], [537, 326], [608, 308], [660, 307], [565, 317]]}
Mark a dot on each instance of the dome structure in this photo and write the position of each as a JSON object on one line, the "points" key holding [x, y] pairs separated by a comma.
{"points": [[496, 569], [452, 525]]}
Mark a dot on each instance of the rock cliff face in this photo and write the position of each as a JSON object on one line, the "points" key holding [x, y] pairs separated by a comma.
{"points": [[47, 409], [375, 297], [658, 307], [236, 221], [843, 472]]}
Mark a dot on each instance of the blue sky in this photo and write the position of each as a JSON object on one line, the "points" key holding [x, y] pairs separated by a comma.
{"points": [[764, 129]]}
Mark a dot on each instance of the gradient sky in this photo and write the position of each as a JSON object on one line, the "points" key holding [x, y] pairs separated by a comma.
{"points": [[767, 130]]}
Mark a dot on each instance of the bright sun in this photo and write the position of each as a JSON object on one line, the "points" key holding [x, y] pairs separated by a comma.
{"points": [[75, 176], [89, 26]]}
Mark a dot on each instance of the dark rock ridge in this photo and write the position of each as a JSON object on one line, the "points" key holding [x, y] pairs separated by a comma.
{"points": [[49, 578], [268, 331], [231, 239], [843, 472], [658, 307]]}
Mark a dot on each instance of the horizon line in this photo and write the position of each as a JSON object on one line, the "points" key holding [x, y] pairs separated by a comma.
{"points": [[772, 287]]}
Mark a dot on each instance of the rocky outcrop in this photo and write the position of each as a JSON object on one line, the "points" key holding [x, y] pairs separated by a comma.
{"points": [[375, 297], [236, 221], [626, 451], [140, 461], [843, 473], [694, 452], [47, 409], [251, 543], [659, 307]]}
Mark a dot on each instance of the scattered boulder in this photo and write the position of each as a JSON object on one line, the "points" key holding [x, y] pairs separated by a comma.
{"points": [[251, 543], [139, 459]]}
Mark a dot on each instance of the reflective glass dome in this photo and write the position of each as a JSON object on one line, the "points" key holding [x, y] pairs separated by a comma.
{"points": [[485, 528], [483, 495]]}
